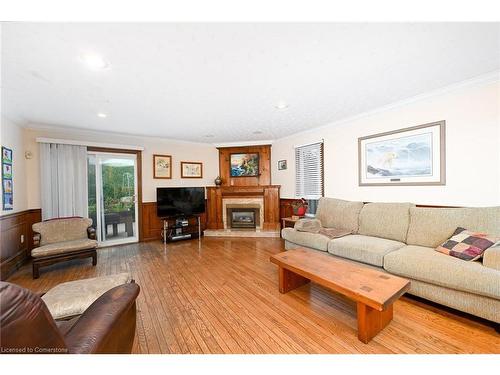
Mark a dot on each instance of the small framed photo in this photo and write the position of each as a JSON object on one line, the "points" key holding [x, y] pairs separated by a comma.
{"points": [[282, 165], [191, 169], [7, 186], [6, 171], [8, 201], [162, 166], [6, 155]]}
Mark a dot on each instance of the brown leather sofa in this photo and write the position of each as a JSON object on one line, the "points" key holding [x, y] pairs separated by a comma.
{"points": [[107, 326]]}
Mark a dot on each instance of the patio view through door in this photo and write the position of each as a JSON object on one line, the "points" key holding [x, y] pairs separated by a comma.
{"points": [[112, 191]]}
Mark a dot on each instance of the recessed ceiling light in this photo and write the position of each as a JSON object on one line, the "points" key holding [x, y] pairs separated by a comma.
{"points": [[102, 115], [281, 105], [209, 136], [94, 61], [257, 132]]}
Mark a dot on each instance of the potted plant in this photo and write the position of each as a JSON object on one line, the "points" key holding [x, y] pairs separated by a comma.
{"points": [[300, 207]]}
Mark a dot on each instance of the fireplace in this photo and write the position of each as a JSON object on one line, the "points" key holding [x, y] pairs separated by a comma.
{"points": [[242, 217]]}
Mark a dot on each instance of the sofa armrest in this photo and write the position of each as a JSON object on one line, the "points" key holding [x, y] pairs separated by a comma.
{"points": [[91, 233], [491, 257], [108, 325], [36, 239]]}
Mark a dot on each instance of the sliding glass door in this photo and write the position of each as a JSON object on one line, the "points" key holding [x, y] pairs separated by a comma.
{"points": [[112, 180]]}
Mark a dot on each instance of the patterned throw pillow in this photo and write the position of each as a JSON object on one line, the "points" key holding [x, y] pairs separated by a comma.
{"points": [[467, 245]]}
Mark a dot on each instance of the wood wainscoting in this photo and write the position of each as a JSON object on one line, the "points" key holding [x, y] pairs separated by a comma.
{"points": [[152, 225], [16, 240]]}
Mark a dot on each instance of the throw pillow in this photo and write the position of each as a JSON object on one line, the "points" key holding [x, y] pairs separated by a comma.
{"points": [[467, 245]]}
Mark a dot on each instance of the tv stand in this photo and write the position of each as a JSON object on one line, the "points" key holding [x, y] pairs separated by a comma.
{"points": [[179, 228]]}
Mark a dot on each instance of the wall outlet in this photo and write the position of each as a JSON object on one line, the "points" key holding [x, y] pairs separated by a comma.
{"points": [[22, 238]]}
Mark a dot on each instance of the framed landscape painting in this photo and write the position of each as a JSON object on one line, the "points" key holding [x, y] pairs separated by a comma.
{"points": [[162, 166], [191, 169], [244, 165], [411, 156]]}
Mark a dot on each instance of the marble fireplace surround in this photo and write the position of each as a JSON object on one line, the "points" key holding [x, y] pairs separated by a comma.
{"points": [[243, 203]]}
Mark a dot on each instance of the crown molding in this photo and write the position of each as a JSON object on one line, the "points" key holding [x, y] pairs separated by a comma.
{"points": [[481, 80], [242, 144]]}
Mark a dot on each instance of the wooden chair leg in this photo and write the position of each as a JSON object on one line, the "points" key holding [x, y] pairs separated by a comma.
{"points": [[94, 258], [36, 271]]}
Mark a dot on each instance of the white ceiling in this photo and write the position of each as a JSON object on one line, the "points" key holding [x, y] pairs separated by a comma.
{"points": [[186, 81]]}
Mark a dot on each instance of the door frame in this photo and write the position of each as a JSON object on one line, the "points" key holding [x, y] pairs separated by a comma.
{"points": [[138, 154]]}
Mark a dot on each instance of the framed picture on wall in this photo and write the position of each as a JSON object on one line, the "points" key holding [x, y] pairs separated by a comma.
{"points": [[244, 165], [162, 166], [6, 155], [282, 165], [191, 169], [410, 156], [6, 171], [7, 190]]}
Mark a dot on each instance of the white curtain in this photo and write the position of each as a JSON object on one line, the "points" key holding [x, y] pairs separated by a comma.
{"points": [[63, 171]]}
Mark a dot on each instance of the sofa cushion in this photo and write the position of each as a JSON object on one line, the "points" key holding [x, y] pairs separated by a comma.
{"points": [[432, 226], [66, 229], [74, 297], [365, 249], [340, 214], [385, 220], [312, 240], [63, 247], [425, 264]]}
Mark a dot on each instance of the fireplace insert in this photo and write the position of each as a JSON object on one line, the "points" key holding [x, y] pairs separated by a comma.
{"points": [[242, 217]]}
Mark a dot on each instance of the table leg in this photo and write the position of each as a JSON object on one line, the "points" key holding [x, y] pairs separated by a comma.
{"points": [[290, 280], [371, 321]]}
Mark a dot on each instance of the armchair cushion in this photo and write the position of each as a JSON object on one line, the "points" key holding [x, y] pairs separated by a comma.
{"points": [[63, 247], [64, 229], [74, 297]]}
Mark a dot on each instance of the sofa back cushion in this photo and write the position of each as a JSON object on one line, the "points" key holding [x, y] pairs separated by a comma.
{"points": [[432, 226], [59, 230], [385, 220], [338, 213]]}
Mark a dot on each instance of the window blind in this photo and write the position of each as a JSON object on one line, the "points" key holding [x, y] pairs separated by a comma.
{"points": [[309, 171]]}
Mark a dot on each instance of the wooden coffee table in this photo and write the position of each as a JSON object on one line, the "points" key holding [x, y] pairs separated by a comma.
{"points": [[374, 291]]}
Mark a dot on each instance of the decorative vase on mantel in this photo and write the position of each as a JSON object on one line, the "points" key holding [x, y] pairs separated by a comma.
{"points": [[218, 181]]}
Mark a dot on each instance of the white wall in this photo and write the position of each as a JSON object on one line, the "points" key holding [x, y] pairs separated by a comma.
{"points": [[472, 119], [11, 136], [180, 151]]}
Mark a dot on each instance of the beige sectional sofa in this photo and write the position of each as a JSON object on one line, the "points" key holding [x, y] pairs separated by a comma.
{"points": [[400, 238]]}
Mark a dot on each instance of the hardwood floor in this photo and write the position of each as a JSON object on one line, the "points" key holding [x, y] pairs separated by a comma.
{"points": [[222, 297]]}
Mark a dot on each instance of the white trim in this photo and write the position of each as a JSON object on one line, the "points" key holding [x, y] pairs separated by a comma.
{"points": [[309, 143], [244, 143], [87, 143]]}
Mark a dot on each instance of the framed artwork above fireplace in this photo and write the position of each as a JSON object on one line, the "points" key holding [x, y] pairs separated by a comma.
{"points": [[244, 165]]}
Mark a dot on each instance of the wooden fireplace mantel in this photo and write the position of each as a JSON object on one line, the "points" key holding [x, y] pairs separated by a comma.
{"points": [[270, 194]]}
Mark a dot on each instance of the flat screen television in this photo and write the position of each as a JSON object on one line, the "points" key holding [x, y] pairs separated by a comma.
{"points": [[180, 201]]}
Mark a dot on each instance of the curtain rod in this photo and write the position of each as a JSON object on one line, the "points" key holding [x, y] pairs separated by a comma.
{"points": [[87, 143]]}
